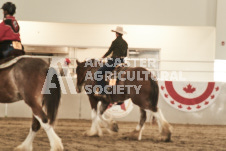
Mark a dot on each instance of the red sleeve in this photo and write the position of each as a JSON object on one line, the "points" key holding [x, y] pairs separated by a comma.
{"points": [[2, 30]]}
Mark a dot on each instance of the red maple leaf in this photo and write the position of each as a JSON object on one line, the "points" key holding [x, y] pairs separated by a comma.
{"points": [[198, 106], [189, 108], [162, 87], [172, 102], [189, 89], [166, 95], [212, 96], [217, 88], [206, 102], [180, 106]]}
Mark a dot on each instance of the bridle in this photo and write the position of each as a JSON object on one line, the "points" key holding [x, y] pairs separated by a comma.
{"points": [[83, 76]]}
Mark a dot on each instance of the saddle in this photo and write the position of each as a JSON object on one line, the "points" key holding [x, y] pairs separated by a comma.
{"points": [[113, 79], [114, 76], [7, 62], [12, 55]]}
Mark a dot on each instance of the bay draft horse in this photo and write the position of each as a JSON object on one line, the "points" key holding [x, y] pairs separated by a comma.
{"points": [[24, 81], [146, 99]]}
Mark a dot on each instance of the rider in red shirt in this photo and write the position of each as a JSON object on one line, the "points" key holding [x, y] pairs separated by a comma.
{"points": [[9, 31]]}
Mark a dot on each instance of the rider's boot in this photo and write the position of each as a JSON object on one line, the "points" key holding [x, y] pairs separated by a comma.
{"points": [[99, 94]]}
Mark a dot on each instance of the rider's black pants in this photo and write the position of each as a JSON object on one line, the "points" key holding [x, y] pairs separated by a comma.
{"points": [[109, 66], [5, 48]]}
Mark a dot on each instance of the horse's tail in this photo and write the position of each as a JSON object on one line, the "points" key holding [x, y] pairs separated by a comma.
{"points": [[52, 95], [154, 96]]}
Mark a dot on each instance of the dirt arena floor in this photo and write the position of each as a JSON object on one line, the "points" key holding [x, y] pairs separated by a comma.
{"points": [[185, 137]]}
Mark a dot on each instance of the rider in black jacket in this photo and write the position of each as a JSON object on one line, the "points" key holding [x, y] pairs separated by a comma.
{"points": [[118, 49]]}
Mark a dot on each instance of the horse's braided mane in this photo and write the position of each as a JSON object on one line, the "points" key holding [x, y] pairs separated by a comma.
{"points": [[96, 64]]}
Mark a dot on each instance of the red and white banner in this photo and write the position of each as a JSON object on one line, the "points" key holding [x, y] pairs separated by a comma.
{"points": [[189, 96], [119, 111]]}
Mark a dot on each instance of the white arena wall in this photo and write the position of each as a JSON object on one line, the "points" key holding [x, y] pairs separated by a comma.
{"points": [[176, 43], [138, 12]]}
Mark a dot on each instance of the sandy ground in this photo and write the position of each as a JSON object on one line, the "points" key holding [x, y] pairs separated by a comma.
{"points": [[185, 137]]}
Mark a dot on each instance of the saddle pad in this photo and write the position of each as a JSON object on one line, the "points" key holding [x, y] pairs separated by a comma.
{"points": [[13, 61]]}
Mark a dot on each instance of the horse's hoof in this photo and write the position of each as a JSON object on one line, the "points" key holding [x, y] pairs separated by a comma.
{"points": [[59, 148], [114, 127], [166, 138], [112, 132], [87, 133], [90, 133], [132, 135], [23, 148], [166, 133], [100, 134]]}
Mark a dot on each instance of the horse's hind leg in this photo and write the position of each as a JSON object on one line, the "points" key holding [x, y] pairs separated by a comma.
{"points": [[98, 120], [27, 144], [55, 141], [41, 118], [137, 133], [164, 127], [96, 116], [140, 126]]}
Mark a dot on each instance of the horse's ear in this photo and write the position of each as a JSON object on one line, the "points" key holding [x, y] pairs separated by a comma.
{"points": [[78, 63]]}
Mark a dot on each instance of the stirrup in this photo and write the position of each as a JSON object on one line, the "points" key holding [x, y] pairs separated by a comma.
{"points": [[100, 96]]}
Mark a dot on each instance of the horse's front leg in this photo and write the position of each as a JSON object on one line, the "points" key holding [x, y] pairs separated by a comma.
{"points": [[95, 129], [110, 124]]}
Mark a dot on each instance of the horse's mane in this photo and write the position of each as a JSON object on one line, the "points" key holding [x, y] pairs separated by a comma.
{"points": [[93, 64]]}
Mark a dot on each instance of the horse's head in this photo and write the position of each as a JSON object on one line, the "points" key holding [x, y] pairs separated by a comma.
{"points": [[80, 71]]}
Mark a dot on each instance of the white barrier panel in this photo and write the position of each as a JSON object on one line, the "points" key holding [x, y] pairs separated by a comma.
{"points": [[19, 109], [2, 110], [69, 107], [85, 107]]}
